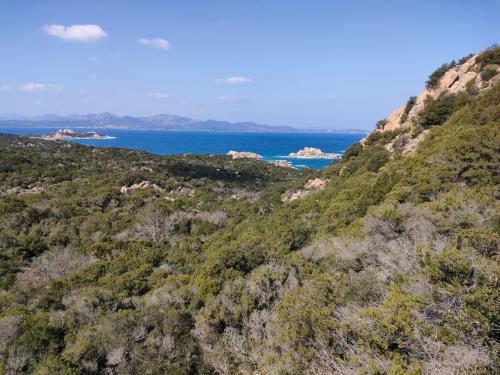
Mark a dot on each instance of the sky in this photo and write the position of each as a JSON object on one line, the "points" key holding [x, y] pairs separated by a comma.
{"points": [[308, 64]]}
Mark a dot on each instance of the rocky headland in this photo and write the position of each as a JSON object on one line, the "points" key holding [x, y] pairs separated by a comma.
{"points": [[65, 134]]}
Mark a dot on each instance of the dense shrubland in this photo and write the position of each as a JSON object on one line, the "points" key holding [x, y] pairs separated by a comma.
{"points": [[392, 268]]}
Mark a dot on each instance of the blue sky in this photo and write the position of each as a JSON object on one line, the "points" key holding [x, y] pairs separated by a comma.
{"points": [[308, 64]]}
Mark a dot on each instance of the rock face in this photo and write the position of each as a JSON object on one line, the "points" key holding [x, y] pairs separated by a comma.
{"points": [[282, 163], [312, 153], [243, 154], [140, 185], [63, 134], [457, 79], [453, 81], [315, 184], [310, 186]]}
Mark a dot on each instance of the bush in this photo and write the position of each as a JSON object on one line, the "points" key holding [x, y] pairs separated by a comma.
{"points": [[489, 56], [465, 58], [433, 80], [485, 241], [437, 111], [380, 124], [489, 72], [409, 105]]}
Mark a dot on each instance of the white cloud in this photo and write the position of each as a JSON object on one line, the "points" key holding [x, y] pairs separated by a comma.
{"points": [[93, 59], [155, 42], [82, 33], [157, 95], [232, 81], [39, 87], [225, 99], [5, 88], [93, 77]]}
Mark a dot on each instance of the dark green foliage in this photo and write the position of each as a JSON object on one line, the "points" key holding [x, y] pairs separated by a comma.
{"points": [[380, 124], [465, 58], [409, 105], [437, 111], [489, 56], [435, 77], [489, 72], [391, 268]]}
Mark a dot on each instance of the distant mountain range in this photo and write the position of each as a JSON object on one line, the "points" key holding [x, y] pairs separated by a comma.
{"points": [[107, 120], [158, 122]]}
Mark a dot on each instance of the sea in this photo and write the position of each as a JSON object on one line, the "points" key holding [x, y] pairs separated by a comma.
{"points": [[271, 146]]}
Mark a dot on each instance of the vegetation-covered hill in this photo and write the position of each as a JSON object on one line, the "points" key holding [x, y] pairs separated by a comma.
{"points": [[391, 268]]}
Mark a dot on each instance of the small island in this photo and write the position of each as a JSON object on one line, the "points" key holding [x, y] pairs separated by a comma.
{"points": [[244, 154], [65, 134], [312, 153]]}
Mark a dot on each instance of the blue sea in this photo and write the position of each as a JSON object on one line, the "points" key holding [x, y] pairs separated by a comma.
{"points": [[271, 146]]}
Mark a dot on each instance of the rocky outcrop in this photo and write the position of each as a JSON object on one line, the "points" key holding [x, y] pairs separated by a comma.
{"points": [[405, 144], [243, 154], [282, 163], [23, 191], [310, 186], [312, 153], [457, 79], [140, 185], [315, 184]]}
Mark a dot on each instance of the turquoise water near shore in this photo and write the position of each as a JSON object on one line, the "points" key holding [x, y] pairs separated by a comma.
{"points": [[271, 146]]}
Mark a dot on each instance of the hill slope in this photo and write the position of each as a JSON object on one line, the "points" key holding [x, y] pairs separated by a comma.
{"points": [[389, 267]]}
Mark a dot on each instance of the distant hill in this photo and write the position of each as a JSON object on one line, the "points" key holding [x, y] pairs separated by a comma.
{"points": [[108, 120], [157, 122]]}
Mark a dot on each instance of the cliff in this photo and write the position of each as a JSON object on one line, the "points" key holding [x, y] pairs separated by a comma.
{"points": [[470, 76]]}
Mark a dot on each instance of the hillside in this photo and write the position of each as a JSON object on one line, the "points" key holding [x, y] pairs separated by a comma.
{"points": [[120, 262]]}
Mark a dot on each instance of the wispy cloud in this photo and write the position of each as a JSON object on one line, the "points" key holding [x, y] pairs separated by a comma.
{"points": [[5, 87], [82, 33], [225, 99], [157, 95], [155, 42], [39, 87], [93, 59], [238, 80]]}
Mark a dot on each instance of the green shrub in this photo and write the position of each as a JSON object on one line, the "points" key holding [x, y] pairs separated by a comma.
{"points": [[409, 105], [452, 267], [465, 58], [437, 111], [433, 80], [380, 124], [489, 56], [485, 241], [489, 72]]}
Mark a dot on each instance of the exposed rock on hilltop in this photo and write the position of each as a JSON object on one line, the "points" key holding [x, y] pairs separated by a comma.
{"points": [[448, 88], [312, 153], [456, 80]]}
